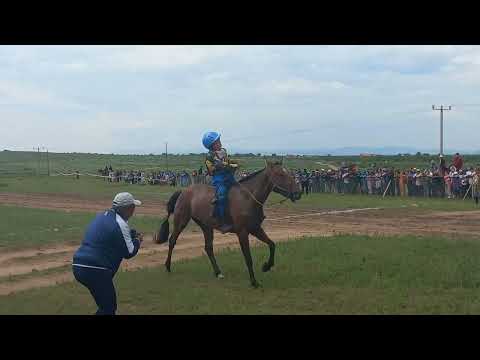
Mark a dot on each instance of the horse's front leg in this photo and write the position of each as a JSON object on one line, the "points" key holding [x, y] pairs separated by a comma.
{"points": [[208, 234], [245, 246], [262, 236]]}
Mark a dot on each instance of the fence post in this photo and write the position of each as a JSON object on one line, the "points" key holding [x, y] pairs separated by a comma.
{"points": [[387, 188]]}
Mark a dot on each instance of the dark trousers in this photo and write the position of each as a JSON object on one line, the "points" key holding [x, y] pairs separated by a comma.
{"points": [[100, 284], [305, 187]]}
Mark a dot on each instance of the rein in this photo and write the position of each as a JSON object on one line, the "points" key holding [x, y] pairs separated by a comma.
{"points": [[260, 203]]}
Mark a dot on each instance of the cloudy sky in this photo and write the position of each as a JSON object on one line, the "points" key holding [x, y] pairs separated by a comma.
{"points": [[125, 99]]}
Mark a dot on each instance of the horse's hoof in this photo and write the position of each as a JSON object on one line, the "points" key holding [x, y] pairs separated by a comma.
{"points": [[255, 285], [220, 276], [167, 268], [266, 267]]}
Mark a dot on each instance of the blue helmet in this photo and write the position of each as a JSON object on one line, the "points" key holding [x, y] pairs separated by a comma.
{"points": [[209, 138]]}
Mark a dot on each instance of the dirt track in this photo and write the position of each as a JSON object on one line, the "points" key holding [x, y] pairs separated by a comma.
{"points": [[74, 203], [28, 266]]}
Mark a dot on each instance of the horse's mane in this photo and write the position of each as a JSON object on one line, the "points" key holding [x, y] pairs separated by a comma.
{"points": [[248, 177]]}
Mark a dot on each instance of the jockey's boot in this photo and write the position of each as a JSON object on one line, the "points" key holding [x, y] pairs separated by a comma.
{"points": [[225, 228], [225, 225]]}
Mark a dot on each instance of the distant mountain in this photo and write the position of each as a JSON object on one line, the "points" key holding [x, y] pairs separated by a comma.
{"points": [[356, 150], [392, 150], [344, 151]]}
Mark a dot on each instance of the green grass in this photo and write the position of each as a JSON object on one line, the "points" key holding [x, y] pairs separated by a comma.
{"points": [[94, 188], [336, 201], [337, 275], [85, 187], [89, 187], [25, 227], [30, 163]]}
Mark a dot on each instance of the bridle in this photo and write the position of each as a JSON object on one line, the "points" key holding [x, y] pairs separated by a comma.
{"points": [[276, 188], [282, 191]]}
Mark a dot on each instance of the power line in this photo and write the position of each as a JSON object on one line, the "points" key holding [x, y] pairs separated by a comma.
{"points": [[460, 105], [412, 112]]}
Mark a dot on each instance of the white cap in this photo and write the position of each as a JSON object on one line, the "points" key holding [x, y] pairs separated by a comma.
{"points": [[125, 199]]}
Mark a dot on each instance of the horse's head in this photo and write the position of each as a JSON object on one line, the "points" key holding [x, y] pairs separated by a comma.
{"points": [[283, 182]]}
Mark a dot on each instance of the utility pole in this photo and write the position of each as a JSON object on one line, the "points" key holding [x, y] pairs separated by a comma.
{"points": [[48, 162], [38, 161], [36, 173], [442, 109], [166, 154]]}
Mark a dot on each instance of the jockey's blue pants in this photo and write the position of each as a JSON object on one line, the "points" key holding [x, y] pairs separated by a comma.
{"points": [[223, 181]]}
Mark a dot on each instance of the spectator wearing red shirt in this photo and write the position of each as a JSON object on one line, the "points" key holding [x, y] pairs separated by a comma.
{"points": [[457, 161]]}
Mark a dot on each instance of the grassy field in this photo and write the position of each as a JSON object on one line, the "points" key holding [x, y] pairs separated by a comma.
{"points": [[24, 227], [31, 163], [95, 188], [85, 187], [13, 163], [336, 275], [336, 201], [27, 227]]}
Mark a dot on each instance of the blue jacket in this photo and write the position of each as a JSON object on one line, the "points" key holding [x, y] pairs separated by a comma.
{"points": [[108, 240]]}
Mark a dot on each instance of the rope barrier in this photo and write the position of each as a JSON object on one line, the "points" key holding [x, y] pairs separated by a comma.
{"points": [[62, 174], [323, 213], [80, 174]]}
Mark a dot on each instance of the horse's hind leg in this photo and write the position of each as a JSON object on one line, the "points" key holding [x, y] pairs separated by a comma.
{"points": [[262, 236], [245, 246], [180, 222], [208, 234]]}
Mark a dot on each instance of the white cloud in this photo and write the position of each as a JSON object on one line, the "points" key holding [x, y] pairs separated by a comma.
{"points": [[217, 76], [111, 57], [76, 66], [23, 94], [300, 87], [15, 93], [160, 57], [336, 85], [340, 95]]}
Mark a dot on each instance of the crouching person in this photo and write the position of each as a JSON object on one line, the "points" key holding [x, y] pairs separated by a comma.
{"points": [[107, 241]]}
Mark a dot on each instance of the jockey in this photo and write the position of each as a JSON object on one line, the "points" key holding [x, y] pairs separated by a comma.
{"points": [[221, 168]]}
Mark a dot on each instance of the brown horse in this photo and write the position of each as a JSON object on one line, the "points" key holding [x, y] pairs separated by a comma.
{"points": [[245, 208]]}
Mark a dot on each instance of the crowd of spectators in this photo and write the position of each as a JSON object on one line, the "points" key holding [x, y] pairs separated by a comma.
{"points": [[437, 180], [434, 181]]}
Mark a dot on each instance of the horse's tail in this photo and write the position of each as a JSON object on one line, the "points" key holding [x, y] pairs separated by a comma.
{"points": [[162, 235]]}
